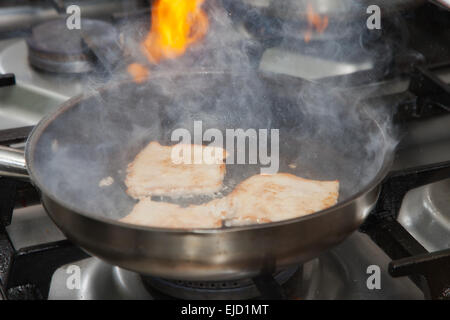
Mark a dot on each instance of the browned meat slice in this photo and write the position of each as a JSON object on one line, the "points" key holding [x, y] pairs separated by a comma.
{"points": [[258, 199], [167, 215], [155, 171], [282, 196]]}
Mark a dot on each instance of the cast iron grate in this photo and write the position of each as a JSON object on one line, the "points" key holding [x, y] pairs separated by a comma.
{"points": [[430, 271], [26, 273]]}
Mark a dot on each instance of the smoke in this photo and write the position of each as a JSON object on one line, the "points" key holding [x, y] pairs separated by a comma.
{"points": [[325, 133]]}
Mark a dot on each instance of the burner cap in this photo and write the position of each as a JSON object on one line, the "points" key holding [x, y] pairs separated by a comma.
{"points": [[53, 47]]}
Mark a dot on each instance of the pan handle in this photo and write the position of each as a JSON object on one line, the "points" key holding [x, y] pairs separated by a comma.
{"points": [[12, 163]]}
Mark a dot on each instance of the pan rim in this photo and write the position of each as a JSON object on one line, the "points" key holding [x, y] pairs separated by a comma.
{"points": [[40, 127]]}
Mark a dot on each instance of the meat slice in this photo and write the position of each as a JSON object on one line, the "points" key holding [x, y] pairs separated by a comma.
{"points": [[155, 171], [167, 215], [282, 196], [258, 199]]}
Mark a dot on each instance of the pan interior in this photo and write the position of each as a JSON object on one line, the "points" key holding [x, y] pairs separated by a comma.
{"points": [[321, 136]]}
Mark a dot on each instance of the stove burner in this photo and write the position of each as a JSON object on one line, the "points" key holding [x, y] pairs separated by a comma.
{"points": [[54, 48], [8, 79], [214, 290]]}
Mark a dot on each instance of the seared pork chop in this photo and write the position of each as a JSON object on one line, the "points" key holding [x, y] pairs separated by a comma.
{"points": [[158, 171], [282, 196]]}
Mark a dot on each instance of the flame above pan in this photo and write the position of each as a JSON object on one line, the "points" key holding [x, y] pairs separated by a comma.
{"points": [[315, 22], [175, 26]]}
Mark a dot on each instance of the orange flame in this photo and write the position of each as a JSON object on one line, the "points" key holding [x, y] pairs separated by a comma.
{"points": [[176, 24], [138, 72], [315, 21]]}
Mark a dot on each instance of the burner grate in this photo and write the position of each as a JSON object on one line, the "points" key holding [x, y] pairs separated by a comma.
{"points": [[17, 280], [428, 270], [7, 79], [262, 287]]}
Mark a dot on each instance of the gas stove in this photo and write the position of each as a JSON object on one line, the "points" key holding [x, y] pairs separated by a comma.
{"points": [[405, 242]]}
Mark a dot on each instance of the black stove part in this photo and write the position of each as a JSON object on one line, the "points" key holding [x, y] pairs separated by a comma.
{"points": [[430, 27], [433, 94], [7, 79], [105, 49], [427, 95], [14, 193], [396, 242], [6, 252], [386, 231], [26, 273], [59, 6], [33, 267], [8, 189], [25, 292], [258, 22], [15, 135], [434, 267], [135, 14], [269, 288], [398, 183]]}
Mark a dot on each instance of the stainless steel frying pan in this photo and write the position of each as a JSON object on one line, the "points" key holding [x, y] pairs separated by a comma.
{"points": [[95, 136]]}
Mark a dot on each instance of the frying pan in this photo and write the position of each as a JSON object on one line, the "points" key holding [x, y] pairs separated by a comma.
{"points": [[95, 136]]}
